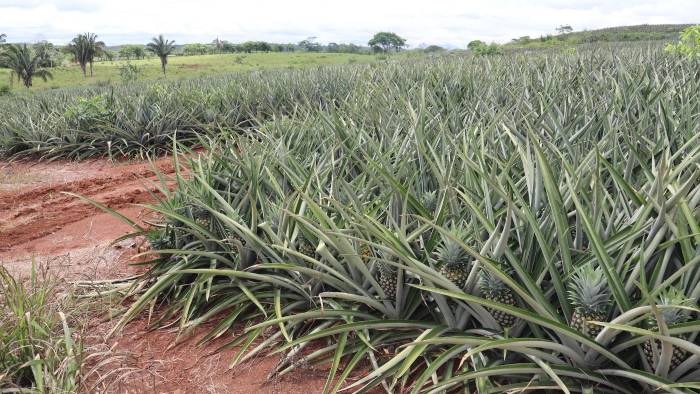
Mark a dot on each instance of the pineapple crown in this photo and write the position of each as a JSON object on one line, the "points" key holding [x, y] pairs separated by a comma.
{"points": [[490, 283], [430, 200], [672, 297], [451, 252], [589, 289]]}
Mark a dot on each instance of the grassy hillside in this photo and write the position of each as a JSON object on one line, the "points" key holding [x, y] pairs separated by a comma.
{"points": [[188, 67], [609, 34]]}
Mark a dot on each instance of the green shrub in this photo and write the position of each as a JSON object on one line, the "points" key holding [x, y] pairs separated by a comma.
{"points": [[688, 44], [129, 72]]}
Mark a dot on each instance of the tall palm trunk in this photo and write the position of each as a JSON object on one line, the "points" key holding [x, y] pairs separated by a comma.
{"points": [[91, 73], [82, 67], [163, 62]]}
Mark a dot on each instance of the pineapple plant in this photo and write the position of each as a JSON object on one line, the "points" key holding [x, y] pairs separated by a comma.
{"points": [[493, 289], [454, 259], [672, 316], [589, 293]]}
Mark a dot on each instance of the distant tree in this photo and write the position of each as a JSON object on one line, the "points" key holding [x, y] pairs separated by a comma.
{"points": [[521, 40], [480, 48], [161, 48], [218, 44], [47, 52], [84, 49], [475, 44], [228, 47], [24, 63], [384, 41], [433, 48], [310, 45], [196, 49], [350, 48], [333, 47], [3, 36], [132, 51], [563, 29]]}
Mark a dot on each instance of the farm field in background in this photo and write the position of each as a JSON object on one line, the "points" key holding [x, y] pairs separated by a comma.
{"points": [[187, 67]]}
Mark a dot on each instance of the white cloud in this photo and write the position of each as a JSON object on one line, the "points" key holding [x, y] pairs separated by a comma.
{"points": [[437, 21]]}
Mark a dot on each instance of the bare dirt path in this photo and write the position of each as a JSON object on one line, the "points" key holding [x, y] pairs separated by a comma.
{"points": [[40, 223]]}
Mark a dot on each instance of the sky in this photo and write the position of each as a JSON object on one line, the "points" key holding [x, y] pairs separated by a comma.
{"points": [[449, 23]]}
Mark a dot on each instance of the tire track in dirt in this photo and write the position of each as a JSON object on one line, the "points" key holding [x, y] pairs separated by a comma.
{"points": [[29, 214]]}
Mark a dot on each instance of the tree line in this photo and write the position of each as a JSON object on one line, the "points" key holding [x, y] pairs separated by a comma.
{"points": [[27, 62]]}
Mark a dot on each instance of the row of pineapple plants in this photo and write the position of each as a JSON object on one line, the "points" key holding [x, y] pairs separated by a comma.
{"points": [[517, 224]]}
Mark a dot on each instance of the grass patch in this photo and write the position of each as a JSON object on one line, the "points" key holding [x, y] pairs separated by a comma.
{"points": [[181, 67]]}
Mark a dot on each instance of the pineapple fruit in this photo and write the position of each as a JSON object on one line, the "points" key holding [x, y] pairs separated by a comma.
{"points": [[306, 248], [453, 259], [387, 280], [652, 347], [493, 289], [590, 295], [365, 253]]}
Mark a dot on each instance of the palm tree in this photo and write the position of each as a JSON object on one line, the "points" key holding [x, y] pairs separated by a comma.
{"points": [[84, 48], [24, 63], [97, 48], [161, 48], [47, 52]]}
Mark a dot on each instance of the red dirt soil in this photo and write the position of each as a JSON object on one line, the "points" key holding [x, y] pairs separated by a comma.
{"points": [[73, 238]]}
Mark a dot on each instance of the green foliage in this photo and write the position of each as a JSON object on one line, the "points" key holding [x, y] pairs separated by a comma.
{"points": [[129, 72], [5, 90], [24, 62], [688, 44], [129, 52], [473, 45], [38, 352], [433, 49], [323, 225], [85, 48], [486, 50], [162, 48], [196, 49], [89, 114], [386, 41], [610, 34]]}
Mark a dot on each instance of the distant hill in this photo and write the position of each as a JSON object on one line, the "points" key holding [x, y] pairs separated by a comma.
{"points": [[608, 34]]}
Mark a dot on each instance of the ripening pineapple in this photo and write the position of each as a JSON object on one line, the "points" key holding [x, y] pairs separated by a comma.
{"points": [[590, 295], [671, 317], [454, 259], [200, 215], [387, 279], [493, 289], [306, 248]]}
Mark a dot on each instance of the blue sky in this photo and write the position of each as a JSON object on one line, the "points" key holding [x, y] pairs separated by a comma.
{"points": [[442, 22]]}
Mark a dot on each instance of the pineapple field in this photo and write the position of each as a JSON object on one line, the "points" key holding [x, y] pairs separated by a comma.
{"points": [[524, 222]]}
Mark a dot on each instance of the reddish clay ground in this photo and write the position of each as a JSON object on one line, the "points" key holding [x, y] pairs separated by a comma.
{"points": [[39, 223]]}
